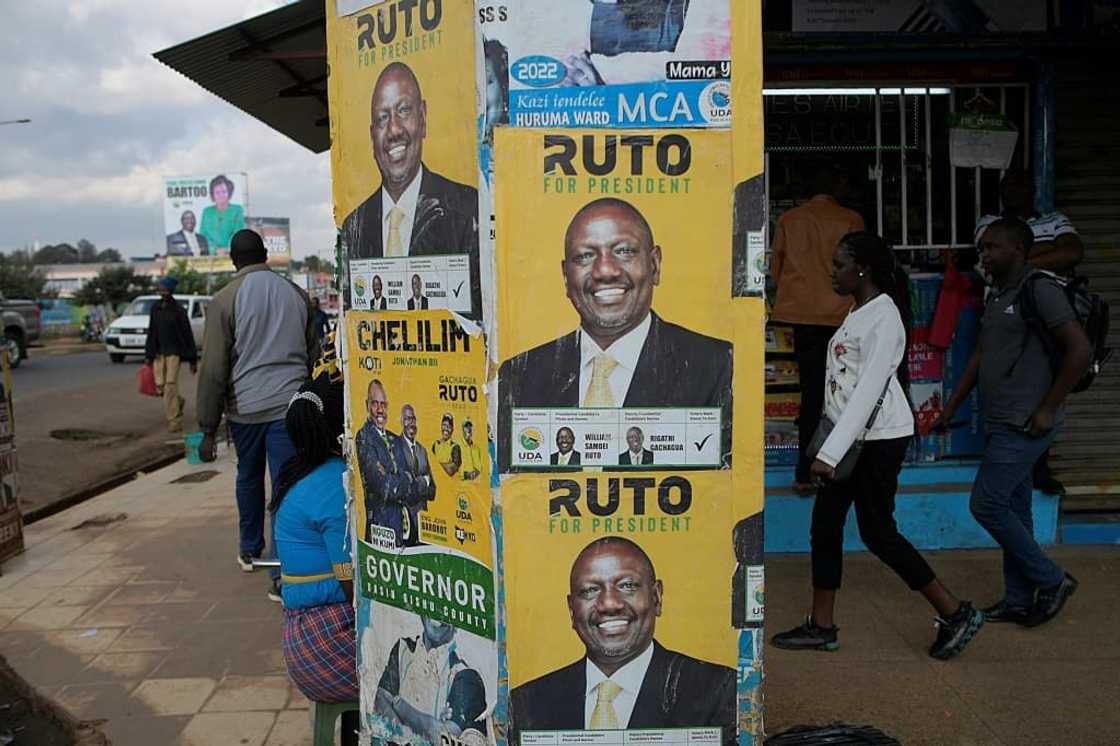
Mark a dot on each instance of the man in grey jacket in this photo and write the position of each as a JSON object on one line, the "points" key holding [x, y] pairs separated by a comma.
{"points": [[260, 342]]}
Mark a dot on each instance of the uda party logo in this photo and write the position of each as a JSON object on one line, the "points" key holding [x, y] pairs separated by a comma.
{"points": [[715, 102]]}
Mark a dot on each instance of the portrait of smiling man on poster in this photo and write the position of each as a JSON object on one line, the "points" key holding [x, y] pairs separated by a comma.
{"points": [[623, 354], [626, 679]]}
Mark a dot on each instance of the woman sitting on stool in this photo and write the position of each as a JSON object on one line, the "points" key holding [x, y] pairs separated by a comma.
{"points": [[309, 515]]}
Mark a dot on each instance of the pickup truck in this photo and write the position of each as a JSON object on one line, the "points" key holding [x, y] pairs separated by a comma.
{"points": [[22, 326]]}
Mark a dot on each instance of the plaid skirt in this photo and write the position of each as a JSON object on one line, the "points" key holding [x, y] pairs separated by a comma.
{"points": [[320, 650]]}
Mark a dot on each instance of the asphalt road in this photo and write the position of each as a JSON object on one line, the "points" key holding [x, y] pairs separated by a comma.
{"points": [[86, 392]]}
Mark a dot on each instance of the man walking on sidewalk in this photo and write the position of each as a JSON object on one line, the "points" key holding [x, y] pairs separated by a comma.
{"points": [[260, 343], [801, 265], [170, 343], [1024, 389], [1057, 248]]}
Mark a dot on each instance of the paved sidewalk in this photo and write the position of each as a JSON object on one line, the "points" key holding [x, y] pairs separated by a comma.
{"points": [[147, 623]]}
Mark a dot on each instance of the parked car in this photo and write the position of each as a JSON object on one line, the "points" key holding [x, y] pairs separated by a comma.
{"points": [[21, 327], [128, 334]]}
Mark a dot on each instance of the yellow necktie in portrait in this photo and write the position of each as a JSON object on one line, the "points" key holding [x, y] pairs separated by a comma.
{"points": [[604, 717], [395, 246], [599, 392]]}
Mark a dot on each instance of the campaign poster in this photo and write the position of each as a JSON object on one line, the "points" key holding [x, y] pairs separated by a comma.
{"points": [[404, 154], [614, 302], [651, 63], [201, 213], [618, 614], [11, 520], [420, 481], [277, 236]]}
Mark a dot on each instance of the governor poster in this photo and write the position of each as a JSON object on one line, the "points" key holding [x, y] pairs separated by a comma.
{"points": [[617, 607], [420, 481], [202, 212], [615, 305], [656, 64], [404, 154]]}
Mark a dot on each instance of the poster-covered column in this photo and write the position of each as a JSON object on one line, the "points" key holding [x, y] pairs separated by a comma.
{"points": [[617, 436], [747, 285], [404, 162]]}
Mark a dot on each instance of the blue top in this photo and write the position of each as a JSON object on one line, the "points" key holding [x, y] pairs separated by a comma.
{"points": [[311, 539]]}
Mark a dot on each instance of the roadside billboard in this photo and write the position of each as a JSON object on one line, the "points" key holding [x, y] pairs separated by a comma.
{"points": [[404, 155], [277, 236], [201, 213], [420, 479]]}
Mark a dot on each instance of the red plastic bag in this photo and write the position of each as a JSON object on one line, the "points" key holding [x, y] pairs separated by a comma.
{"points": [[146, 381]]}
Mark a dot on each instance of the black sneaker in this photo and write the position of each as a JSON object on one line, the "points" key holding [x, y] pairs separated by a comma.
{"points": [[1050, 601], [807, 637], [954, 633], [274, 592], [246, 562], [1002, 612]]}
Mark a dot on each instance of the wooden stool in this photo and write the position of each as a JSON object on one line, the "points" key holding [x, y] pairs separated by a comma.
{"points": [[325, 715]]}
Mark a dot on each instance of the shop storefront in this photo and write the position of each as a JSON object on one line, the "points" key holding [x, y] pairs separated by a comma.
{"points": [[887, 106]]}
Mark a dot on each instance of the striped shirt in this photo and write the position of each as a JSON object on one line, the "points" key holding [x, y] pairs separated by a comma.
{"points": [[1046, 227]]}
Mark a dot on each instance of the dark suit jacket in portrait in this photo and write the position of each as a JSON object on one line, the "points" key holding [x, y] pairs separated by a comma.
{"points": [[415, 460], [677, 692], [177, 244], [386, 494], [676, 368], [381, 304], [446, 222], [624, 457], [423, 303], [554, 459]]}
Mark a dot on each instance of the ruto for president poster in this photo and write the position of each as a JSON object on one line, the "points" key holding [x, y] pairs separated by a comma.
{"points": [[420, 479], [615, 304], [618, 607], [404, 154]]}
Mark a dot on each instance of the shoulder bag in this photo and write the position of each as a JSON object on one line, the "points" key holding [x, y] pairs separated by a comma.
{"points": [[843, 470]]}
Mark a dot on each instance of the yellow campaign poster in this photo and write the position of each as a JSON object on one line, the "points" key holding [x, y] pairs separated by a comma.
{"points": [[614, 299], [617, 607], [420, 479], [747, 132], [404, 153]]}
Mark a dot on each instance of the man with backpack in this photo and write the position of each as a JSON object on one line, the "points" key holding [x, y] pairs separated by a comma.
{"points": [[1031, 354], [1057, 248]]}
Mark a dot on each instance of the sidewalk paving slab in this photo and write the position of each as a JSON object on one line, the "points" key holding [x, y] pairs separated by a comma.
{"points": [[147, 624]]}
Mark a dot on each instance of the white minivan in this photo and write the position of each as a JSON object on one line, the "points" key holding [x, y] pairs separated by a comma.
{"points": [[128, 334]]}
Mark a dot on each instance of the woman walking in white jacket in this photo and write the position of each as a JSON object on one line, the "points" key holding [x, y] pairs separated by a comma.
{"points": [[863, 360]]}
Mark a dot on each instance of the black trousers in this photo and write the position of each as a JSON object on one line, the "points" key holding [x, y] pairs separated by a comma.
{"points": [[810, 345], [872, 488]]}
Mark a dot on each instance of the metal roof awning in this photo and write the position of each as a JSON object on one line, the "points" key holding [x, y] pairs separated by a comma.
{"points": [[272, 67]]}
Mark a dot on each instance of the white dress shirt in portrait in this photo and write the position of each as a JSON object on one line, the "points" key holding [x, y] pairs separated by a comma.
{"points": [[629, 677], [625, 352], [409, 198]]}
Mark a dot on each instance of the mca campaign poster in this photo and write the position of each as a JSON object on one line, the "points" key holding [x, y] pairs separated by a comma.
{"points": [[648, 63], [201, 213], [420, 479], [404, 154], [617, 607], [615, 305]]}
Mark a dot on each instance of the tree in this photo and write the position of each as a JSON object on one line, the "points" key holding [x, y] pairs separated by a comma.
{"points": [[20, 279], [193, 282], [62, 253], [113, 285], [87, 252], [109, 255]]}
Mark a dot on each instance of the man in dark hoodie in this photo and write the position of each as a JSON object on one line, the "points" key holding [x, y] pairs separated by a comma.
{"points": [[170, 343]]}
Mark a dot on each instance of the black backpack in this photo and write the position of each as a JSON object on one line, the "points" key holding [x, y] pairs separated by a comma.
{"points": [[1090, 310]]}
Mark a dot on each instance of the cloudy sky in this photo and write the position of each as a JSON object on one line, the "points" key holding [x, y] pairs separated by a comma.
{"points": [[109, 121]]}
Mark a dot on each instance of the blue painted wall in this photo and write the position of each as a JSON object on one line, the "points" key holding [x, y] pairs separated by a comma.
{"points": [[931, 509]]}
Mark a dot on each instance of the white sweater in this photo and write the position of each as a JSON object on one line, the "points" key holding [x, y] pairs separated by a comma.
{"points": [[863, 354]]}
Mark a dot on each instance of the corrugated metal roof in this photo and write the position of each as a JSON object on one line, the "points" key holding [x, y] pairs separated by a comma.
{"points": [[273, 67]]}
